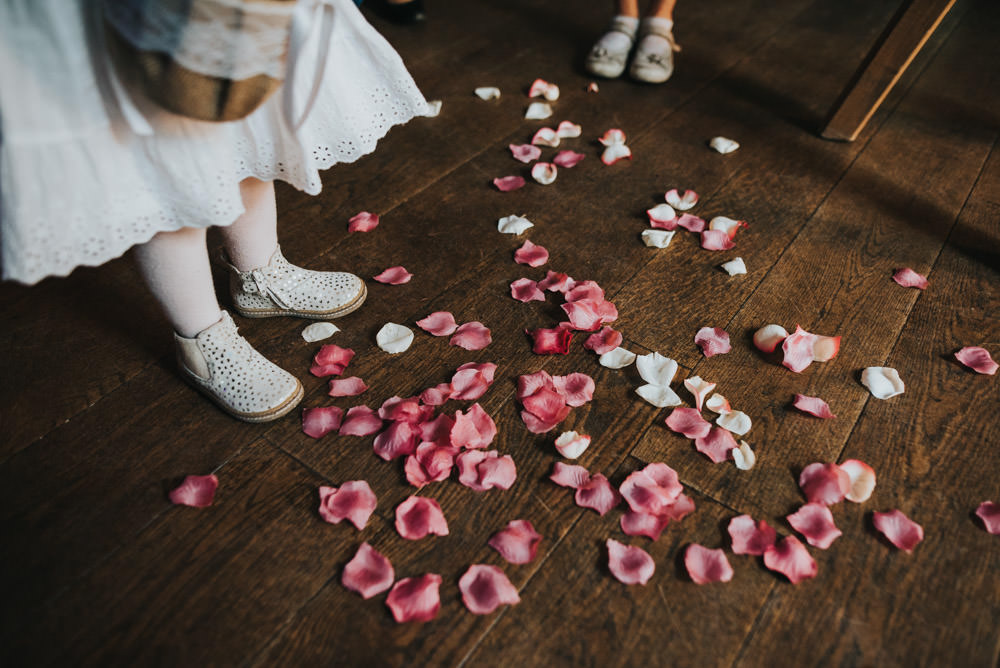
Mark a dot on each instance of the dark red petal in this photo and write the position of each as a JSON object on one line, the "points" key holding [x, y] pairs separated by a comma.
{"points": [[369, 573], [901, 531], [420, 516], [517, 542], [362, 222], [978, 359], [485, 588], [347, 387], [197, 491], [705, 565], [629, 564], [824, 483], [749, 537], [471, 336], [815, 522], [791, 558], [439, 323], [813, 406], [415, 599], [689, 422], [713, 341], [353, 501], [320, 421], [360, 421], [550, 341]]}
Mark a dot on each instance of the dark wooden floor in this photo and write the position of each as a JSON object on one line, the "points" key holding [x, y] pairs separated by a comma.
{"points": [[99, 568]]}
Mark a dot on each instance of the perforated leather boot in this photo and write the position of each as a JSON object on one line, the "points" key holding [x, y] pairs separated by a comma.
{"points": [[610, 63], [224, 366], [281, 288]]}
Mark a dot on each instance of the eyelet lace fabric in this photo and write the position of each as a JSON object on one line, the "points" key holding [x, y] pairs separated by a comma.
{"points": [[77, 187]]}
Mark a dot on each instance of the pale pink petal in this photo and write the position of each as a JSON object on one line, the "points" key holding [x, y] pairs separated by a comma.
{"points": [[813, 406], [691, 223], [749, 537], [791, 558], [643, 524], [420, 516], [603, 341], [569, 475], [629, 564], [353, 501], [483, 470], [662, 216], [437, 431], [430, 463], [550, 341], [360, 421], [716, 240], [439, 323], [688, 421], [576, 388], [542, 425], [681, 202], [679, 509], [718, 404], [517, 542], [530, 383], [525, 152], [394, 276], [546, 404], [612, 137], [398, 440], [331, 360], [989, 513], [699, 389], [197, 491], [910, 279], [862, 480], [473, 429], [568, 159], [526, 290], [592, 87], [399, 409], [824, 483], [769, 337], [415, 599], [569, 130], [362, 222], [507, 183], [544, 173], [704, 565], [737, 422], [716, 445], [587, 314], [471, 380], [320, 421], [798, 350], [882, 381], [825, 348], [347, 387], [542, 88], [571, 444], [978, 359], [597, 494], [901, 531], [556, 282], [471, 336], [815, 522], [614, 153], [485, 588], [545, 137], [651, 489], [368, 573], [713, 341], [531, 255], [583, 290], [727, 225]]}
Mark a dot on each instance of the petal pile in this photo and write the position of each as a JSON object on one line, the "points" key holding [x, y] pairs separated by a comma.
{"points": [[882, 381], [815, 522], [547, 400], [197, 491], [813, 406], [517, 542], [420, 516], [978, 359], [505, 184], [320, 421], [362, 222], [791, 558], [368, 573], [989, 513], [331, 360], [439, 323], [430, 463], [712, 341], [353, 501], [531, 254], [750, 537], [901, 531], [485, 588], [910, 279], [655, 496], [629, 564], [471, 336], [514, 224], [704, 565], [415, 599], [394, 276], [394, 338], [826, 484]]}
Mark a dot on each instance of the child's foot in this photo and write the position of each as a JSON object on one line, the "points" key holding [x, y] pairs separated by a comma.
{"points": [[653, 61], [224, 366], [608, 56], [281, 288]]}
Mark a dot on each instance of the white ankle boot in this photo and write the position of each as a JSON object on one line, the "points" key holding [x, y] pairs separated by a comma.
{"points": [[281, 288], [609, 63], [224, 366], [653, 65]]}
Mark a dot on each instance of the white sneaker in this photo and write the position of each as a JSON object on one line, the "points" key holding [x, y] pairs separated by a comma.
{"points": [[224, 366], [609, 62]]}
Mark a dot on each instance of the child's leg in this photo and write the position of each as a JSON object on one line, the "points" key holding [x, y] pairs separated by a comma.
{"points": [[253, 238], [653, 60], [608, 56]]}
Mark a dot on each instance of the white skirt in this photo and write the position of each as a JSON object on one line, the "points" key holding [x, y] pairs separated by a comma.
{"points": [[79, 187]]}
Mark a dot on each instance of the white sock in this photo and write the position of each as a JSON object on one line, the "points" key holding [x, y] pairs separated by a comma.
{"points": [[253, 237], [617, 42], [655, 44]]}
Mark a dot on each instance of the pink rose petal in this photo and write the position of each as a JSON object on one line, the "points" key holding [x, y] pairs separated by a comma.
{"points": [[681, 202], [978, 359], [439, 323], [544, 173], [569, 475], [545, 137], [546, 404], [471, 380], [910, 279], [398, 440], [589, 314], [716, 445], [825, 348], [437, 430], [629, 564], [517, 542], [531, 254], [798, 350], [430, 463], [603, 341], [791, 558], [813, 406], [320, 421], [331, 360], [901, 531], [569, 130], [597, 494], [688, 421], [530, 383], [368, 572], [542, 88], [525, 152], [508, 183], [347, 387], [556, 282], [197, 491], [526, 290], [568, 159], [815, 522], [360, 421], [614, 153], [420, 516], [989, 513], [540, 425], [662, 217], [576, 388], [692, 223], [862, 480], [471, 336], [824, 483], [485, 588], [727, 225], [353, 501], [394, 276], [571, 445], [550, 341], [704, 565], [612, 137], [473, 429], [644, 524], [415, 599], [362, 222], [716, 240], [713, 341], [584, 290], [409, 410], [482, 471], [651, 489], [749, 537]]}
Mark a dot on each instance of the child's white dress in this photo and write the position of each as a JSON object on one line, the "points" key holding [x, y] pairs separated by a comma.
{"points": [[78, 186]]}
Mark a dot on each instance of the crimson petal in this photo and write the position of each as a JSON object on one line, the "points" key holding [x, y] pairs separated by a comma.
{"points": [[471, 380], [716, 445], [398, 440], [568, 159], [569, 475], [644, 524]]}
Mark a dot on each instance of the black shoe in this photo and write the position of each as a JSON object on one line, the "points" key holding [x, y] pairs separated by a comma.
{"points": [[405, 13]]}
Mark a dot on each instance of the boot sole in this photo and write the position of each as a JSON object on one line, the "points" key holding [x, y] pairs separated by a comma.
{"points": [[311, 315], [281, 410]]}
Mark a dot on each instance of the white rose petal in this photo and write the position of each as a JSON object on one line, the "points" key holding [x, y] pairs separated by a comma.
{"points": [[617, 358], [737, 422], [488, 92], [882, 381], [744, 456], [433, 108], [514, 224], [538, 111], [571, 444], [735, 266], [393, 338], [656, 369], [723, 145], [319, 331], [657, 238], [660, 396]]}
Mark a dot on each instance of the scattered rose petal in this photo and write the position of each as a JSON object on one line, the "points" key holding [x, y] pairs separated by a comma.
{"points": [[569, 475], [597, 494], [545, 137], [569, 130], [473, 429], [437, 431], [769, 337], [656, 369], [699, 389], [542, 88], [815, 522], [691, 223], [538, 111], [989, 513], [430, 463], [437, 395], [531, 254], [718, 404], [368, 573], [514, 224], [714, 240], [485, 588], [571, 444], [749, 537], [526, 290], [723, 145], [531, 383], [507, 183], [713, 341], [484, 470], [629, 564], [576, 388], [657, 238], [727, 225], [353, 501], [398, 440], [813, 406], [554, 341], [825, 348], [319, 331], [471, 336], [744, 456], [618, 358], [517, 542], [363, 222], [544, 173], [555, 281], [862, 480], [612, 137], [910, 279], [439, 323], [584, 290], [415, 599], [662, 216], [660, 396], [901, 531], [737, 422], [643, 524], [471, 380], [978, 359], [704, 565], [525, 152], [791, 558], [360, 421], [587, 314], [393, 338], [614, 153], [592, 87], [420, 516], [652, 489], [347, 387], [824, 483], [688, 421], [603, 341], [882, 381], [197, 491], [716, 445], [568, 159], [734, 266], [543, 410], [681, 202], [331, 360], [320, 421], [798, 350], [488, 93]]}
